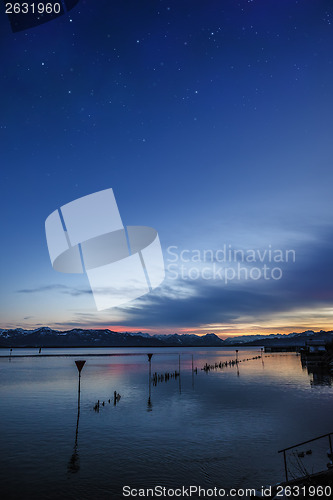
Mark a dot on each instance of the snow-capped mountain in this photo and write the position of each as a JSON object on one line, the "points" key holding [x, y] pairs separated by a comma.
{"points": [[47, 337]]}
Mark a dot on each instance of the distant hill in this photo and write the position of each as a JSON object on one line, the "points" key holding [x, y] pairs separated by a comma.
{"points": [[46, 337], [290, 339]]}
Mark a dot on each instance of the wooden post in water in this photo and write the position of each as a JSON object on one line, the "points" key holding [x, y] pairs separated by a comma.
{"points": [[149, 405], [149, 359]]}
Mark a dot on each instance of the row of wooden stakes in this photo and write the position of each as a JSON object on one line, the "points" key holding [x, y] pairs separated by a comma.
{"points": [[225, 364], [116, 399]]}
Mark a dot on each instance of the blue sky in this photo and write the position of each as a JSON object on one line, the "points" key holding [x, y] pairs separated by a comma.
{"points": [[211, 121]]}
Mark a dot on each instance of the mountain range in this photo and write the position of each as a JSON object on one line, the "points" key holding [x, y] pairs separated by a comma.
{"points": [[47, 337]]}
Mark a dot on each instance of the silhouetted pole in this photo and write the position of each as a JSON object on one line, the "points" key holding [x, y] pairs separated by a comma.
{"points": [[149, 405], [237, 362], [149, 359], [192, 373], [180, 387]]}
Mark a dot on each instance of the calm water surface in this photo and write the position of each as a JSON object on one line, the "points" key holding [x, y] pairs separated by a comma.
{"points": [[222, 428]]}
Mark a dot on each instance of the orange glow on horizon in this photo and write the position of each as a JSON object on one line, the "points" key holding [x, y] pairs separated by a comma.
{"points": [[221, 331], [286, 322]]}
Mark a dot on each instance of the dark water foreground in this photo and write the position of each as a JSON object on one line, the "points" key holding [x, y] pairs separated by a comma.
{"points": [[221, 428]]}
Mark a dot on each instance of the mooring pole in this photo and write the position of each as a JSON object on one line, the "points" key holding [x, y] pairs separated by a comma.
{"points": [[78, 416], [149, 359], [150, 355]]}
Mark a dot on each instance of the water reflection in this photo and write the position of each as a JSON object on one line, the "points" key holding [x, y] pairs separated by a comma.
{"points": [[156, 378], [149, 403], [260, 412], [320, 371], [320, 376], [74, 462]]}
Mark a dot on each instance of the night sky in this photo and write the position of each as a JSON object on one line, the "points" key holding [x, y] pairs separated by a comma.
{"points": [[210, 119]]}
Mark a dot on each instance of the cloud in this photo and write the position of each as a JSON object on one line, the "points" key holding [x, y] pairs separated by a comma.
{"points": [[64, 289], [304, 293], [306, 283]]}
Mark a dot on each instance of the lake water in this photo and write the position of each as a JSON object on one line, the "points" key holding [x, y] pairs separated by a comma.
{"points": [[217, 429]]}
